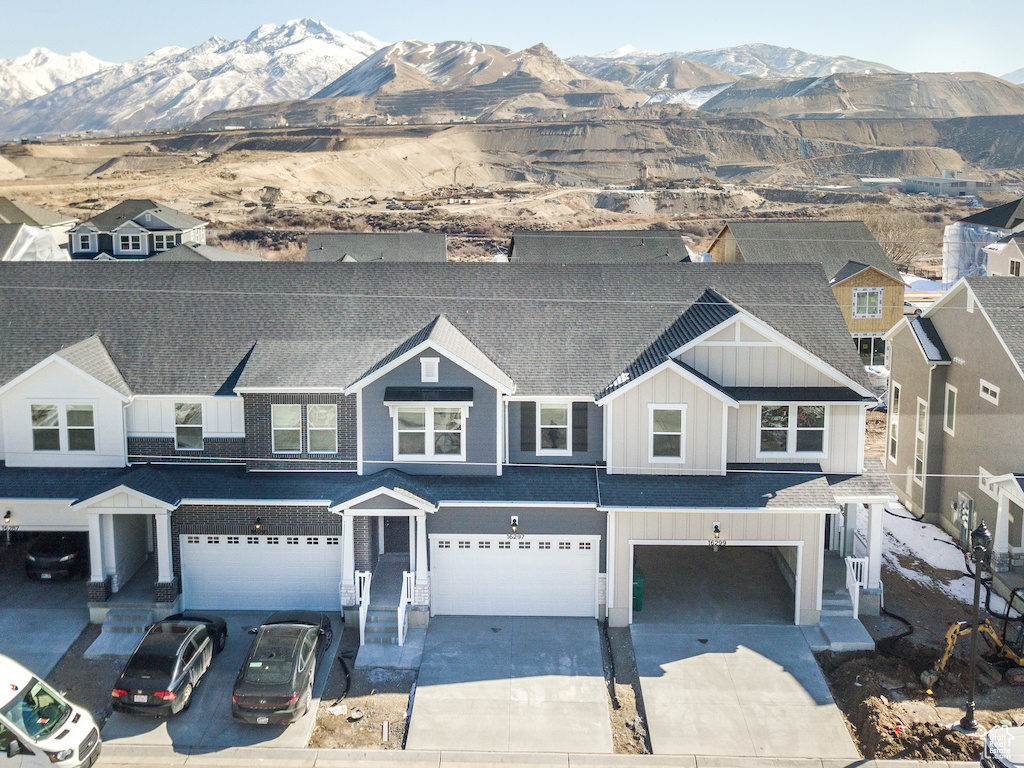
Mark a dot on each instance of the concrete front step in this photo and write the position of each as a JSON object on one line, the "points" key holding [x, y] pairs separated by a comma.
{"points": [[127, 621], [845, 633]]}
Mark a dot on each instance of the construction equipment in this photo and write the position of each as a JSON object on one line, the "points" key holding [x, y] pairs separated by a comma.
{"points": [[1007, 650]]}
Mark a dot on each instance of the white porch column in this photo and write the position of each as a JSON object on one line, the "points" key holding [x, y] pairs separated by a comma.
{"points": [[95, 547], [421, 548], [348, 553], [875, 513], [165, 570], [413, 559], [1001, 536], [849, 528]]}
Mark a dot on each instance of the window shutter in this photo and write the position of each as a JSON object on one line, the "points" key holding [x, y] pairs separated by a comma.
{"points": [[579, 427], [528, 427]]}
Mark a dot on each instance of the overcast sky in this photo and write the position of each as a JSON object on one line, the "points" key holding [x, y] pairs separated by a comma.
{"points": [[940, 35]]}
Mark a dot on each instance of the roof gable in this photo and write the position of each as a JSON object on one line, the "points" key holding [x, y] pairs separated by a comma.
{"points": [[1006, 216], [90, 358], [128, 210], [20, 212]]}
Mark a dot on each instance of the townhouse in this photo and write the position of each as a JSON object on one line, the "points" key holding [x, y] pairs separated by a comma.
{"points": [[514, 441]]}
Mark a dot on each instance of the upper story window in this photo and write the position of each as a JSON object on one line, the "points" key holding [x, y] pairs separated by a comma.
{"points": [[188, 426], [949, 414], [1015, 267], [286, 428], [920, 430], [990, 392], [867, 302], [77, 425], [667, 431], [791, 430], [163, 242], [434, 432], [322, 428], [129, 242], [429, 370], [554, 425], [894, 420]]}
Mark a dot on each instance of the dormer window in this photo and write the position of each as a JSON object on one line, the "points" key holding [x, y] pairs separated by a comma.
{"points": [[429, 370]]}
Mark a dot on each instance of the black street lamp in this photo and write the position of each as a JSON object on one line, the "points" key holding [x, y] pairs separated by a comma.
{"points": [[981, 539]]}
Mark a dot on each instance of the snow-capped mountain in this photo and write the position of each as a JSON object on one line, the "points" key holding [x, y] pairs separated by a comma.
{"points": [[753, 60], [174, 86], [40, 71], [1015, 77]]}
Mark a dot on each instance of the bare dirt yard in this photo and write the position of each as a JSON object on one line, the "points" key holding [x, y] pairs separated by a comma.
{"points": [[87, 682], [629, 721], [874, 437]]}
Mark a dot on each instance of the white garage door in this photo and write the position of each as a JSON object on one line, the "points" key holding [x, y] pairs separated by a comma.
{"points": [[260, 572], [528, 576]]}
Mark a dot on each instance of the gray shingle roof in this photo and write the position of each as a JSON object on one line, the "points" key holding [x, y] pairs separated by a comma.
{"points": [[928, 339], [833, 244], [658, 246], [20, 212], [378, 246], [89, 355], [560, 331], [8, 234], [797, 394], [1006, 216], [200, 253], [1002, 298], [873, 483], [128, 210]]}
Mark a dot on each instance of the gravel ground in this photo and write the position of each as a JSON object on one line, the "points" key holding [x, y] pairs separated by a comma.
{"points": [[629, 721], [87, 682]]}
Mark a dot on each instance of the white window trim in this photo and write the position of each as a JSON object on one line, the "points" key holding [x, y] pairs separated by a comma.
{"points": [[651, 408], [122, 249], [568, 429], [867, 316], [63, 441], [894, 421], [949, 429], [165, 237], [428, 423], [992, 398], [309, 429], [201, 424], [791, 451], [88, 237], [920, 432], [273, 431], [430, 370], [1010, 267], [985, 483]]}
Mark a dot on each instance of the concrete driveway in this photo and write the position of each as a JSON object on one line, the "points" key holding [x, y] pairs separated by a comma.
{"points": [[751, 691], [503, 684], [39, 620], [207, 725]]}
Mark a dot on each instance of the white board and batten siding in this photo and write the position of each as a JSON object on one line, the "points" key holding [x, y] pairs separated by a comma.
{"points": [[753, 362], [238, 572], [494, 575], [844, 430], [629, 450], [154, 416]]}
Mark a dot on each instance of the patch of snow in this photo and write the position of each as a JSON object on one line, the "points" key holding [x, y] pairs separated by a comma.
{"points": [[693, 97], [917, 283]]}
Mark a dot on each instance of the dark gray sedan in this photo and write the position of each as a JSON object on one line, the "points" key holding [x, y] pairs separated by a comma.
{"points": [[275, 683]]}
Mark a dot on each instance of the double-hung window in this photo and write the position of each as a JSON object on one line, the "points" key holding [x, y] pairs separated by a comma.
{"points": [[322, 428], [949, 415], [867, 302], [430, 432], [78, 425], [188, 426], [894, 420], [667, 425], [554, 426], [1015, 267], [920, 430], [129, 242], [791, 430], [163, 242], [286, 428], [84, 243]]}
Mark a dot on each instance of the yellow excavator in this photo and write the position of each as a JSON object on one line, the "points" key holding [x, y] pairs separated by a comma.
{"points": [[1009, 651]]}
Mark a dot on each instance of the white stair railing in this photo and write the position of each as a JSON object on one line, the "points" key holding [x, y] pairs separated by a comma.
{"points": [[856, 579], [403, 603], [363, 595]]}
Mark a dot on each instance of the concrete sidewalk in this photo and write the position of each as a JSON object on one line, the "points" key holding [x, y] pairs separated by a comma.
{"points": [[119, 755]]}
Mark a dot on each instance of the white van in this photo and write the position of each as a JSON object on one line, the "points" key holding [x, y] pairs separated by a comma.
{"points": [[39, 727]]}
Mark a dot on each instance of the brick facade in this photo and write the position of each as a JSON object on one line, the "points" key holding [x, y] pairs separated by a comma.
{"points": [[98, 591], [258, 440], [241, 520], [161, 449], [166, 591], [364, 530]]}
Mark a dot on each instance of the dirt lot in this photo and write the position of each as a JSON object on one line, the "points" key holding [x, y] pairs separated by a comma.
{"points": [[354, 719], [87, 682], [629, 721], [874, 437]]}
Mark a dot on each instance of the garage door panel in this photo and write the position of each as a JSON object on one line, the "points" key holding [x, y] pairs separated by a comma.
{"points": [[532, 576], [260, 572]]}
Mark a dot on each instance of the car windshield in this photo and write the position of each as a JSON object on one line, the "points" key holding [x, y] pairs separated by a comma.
{"points": [[36, 710], [149, 666], [46, 546], [273, 659]]}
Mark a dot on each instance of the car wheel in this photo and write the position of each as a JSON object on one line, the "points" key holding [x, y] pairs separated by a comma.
{"points": [[222, 640], [186, 697]]}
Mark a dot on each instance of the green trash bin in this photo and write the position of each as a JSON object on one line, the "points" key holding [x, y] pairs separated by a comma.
{"points": [[638, 589]]}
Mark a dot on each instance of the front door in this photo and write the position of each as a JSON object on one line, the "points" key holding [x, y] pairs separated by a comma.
{"points": [[396, 534]]}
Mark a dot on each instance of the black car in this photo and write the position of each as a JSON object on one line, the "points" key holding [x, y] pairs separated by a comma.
{"points": [[275, 683], [165, 668], [57, 555], [215, 625]]}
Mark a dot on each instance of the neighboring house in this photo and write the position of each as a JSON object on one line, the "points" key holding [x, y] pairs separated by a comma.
{"points": [[605, 246], [1005, 256], [134, 229], [20, 242], [955, 440], [964, 242], [949, 184], [865, 282], [20, 212], [200, 253], [378, 246], [270, 435]]}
